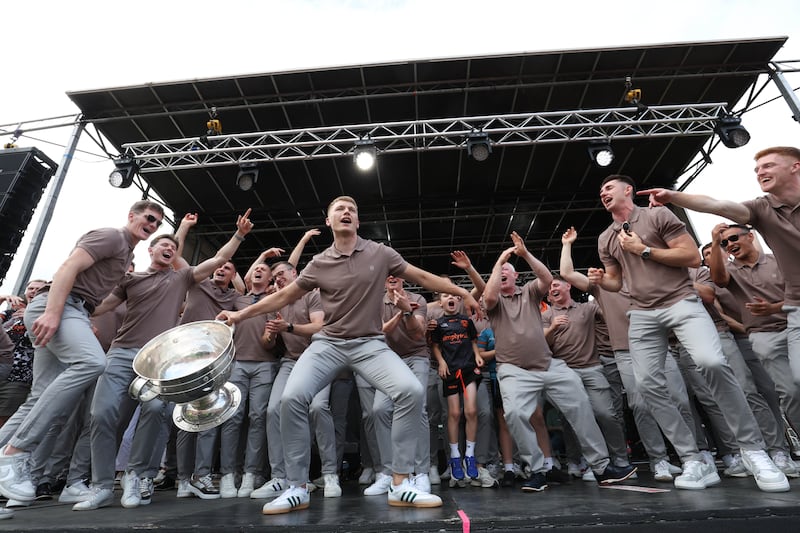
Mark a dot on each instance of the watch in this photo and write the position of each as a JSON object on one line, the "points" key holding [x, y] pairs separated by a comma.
{"points": [[290, 328], [646, 253]]}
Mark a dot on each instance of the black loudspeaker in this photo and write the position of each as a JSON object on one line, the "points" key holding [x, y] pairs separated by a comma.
{"points": [[24, 175]]}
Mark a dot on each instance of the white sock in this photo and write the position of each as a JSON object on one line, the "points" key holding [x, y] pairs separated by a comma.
{"points": [[548, 463], [470, 449], [454, 451], [508, 467]]}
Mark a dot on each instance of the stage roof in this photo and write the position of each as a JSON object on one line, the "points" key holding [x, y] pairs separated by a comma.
{"points": [[427, 202]]}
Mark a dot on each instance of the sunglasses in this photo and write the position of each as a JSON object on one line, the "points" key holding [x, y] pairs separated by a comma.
{"points": [[153, 220], [733, 238]]}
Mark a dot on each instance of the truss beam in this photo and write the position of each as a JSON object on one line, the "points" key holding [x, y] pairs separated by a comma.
{"points": [[418, 135]]}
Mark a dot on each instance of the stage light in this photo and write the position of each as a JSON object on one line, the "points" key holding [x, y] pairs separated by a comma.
{"points": [[731, 132], [122, 176], [601, 153], [365, 154], [248, 175], [478, 145]]}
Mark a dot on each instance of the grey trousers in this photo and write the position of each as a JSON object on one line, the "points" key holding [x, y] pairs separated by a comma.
{"points": [[437, 414], [195, 451], [793, 339], [688, 319], [764, 384], [382, 409], [111, 391], [255, 380], [599, 392], [772, 349], [325, 432], [522, 391], [370, 358], [646, 424], [370, 450], [62, 371], [611, 372], [486, 445]]}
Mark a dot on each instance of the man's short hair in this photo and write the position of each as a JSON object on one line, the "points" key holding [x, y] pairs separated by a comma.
{"points": [[789, 151], [620, 177], [705, 247], [744, 227], [142, 205], [282, 263], [342, 199], [169, 236]]}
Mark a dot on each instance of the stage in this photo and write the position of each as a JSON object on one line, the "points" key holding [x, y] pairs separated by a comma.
{"points": [[734, 505]]}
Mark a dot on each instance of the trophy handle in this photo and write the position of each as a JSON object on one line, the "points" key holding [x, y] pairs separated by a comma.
{"points": [[142, 389]]}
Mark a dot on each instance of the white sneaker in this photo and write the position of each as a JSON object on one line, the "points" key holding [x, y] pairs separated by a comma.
{"points": [[708, 458], [270, 489], [785, 464], [367, 476], [736, 468], [381, 485], [131, 491], [77, 492], [16, 504], [768, 477], [484, 479], [408, 495], [661, 471], [97, 499], [183, 489], [293, 499], [444, 476], [15, 477], [697, 475], [588, 475], [248, 485], [422, 482], [6, 513], [203, 487], [674, 469], [227, 486], [332, 488], [145, 490], [433, 476]]}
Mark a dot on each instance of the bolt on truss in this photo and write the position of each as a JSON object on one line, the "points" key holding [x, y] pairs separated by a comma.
{"points": [[435, 134]]}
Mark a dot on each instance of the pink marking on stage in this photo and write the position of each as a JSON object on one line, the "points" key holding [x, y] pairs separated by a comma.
{"points": [[464, 521]]}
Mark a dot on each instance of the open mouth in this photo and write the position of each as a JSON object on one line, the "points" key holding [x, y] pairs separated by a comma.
{"points": [[451, 305]]}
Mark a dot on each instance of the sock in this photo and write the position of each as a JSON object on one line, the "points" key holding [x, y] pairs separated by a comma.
{"points": [[454, 452], [508, 467], [548, 463], [470, 449]]}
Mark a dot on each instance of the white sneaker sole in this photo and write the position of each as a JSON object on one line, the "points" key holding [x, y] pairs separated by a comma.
{"points": [[705, 482]]}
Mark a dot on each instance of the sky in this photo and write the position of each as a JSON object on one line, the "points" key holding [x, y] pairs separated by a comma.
{"points": [[52, 47]]}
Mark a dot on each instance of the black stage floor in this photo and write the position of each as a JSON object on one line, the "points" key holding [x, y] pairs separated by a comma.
{"points": [[734, 505]]}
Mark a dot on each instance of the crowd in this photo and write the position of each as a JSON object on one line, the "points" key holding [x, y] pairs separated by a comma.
{"points": [[529, 381]]}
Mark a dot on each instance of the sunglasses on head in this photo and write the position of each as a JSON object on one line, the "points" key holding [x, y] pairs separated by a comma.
{"points": [[733, 238], [153, 220]]}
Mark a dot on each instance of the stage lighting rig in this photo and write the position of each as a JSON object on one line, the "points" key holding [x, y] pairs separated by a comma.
{"points": [[364, 154], [122, 176], [478, 145], [601, 153], [248, 175], [731, 132]]}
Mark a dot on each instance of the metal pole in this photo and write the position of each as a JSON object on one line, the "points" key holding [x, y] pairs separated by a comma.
{"points": [[787, 92], [49, 207]]}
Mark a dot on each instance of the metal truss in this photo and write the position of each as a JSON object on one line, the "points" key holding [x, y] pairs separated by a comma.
{"points": [[435, 134]]}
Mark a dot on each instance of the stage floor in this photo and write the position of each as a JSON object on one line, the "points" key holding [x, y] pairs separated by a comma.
{"points": [[734, 505]]}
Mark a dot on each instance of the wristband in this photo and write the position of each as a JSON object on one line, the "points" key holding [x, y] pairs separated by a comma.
{"points": [[238, 237], [290, 328]]}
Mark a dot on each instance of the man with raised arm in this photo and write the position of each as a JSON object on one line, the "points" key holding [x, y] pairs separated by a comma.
{"points": [[526, 369], [350, 275], [652, 250]]}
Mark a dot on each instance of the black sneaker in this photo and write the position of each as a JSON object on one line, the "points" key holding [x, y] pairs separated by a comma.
{"points": [[556, 475], [44, 491], [508, 479], [536, 483], [614, 474], [168, 483], [145, 490]]}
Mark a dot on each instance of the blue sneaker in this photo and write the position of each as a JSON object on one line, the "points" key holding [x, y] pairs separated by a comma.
{"points": [[456, 472], [472, 466]]}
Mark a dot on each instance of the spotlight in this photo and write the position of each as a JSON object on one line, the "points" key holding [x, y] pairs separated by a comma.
{"points": [[478, 145], [248, 175], [122, 176], [364, 154], [731, 132], [601, 153]]}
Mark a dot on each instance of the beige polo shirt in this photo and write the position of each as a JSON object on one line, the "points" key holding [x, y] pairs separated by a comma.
{"points": [[652, 285], [399, 339], [615, 306], [779, 224], [352, 287], [112, 251], [702, 276], [248, 333], [205, 300], [574, 342], [299, 312], [517, 324], [765, 280]]}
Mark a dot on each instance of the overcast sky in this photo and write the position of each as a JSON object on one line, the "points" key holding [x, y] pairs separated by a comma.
{"points": [[51, 47]]}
